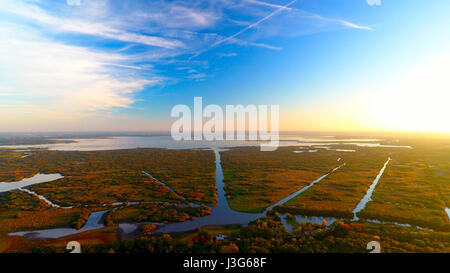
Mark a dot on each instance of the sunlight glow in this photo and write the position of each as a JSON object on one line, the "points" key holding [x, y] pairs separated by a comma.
{"points": [[418, 102]]}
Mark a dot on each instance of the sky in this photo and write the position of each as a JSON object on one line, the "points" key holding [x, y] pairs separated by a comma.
{"points": [[331, 65]]}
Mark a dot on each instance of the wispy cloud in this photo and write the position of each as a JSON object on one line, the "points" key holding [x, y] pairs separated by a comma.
{"points": [[374, 2], [340, 22], [247, 43], [295, 22], [175, 16], [35, 13], [261, 3], [226, 55], [226, 39], [75, 58], [64, 77]]}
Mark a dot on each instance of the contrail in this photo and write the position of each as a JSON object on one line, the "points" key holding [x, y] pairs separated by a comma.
{"points": [[254, 24], [281, 8], [261, 3]]}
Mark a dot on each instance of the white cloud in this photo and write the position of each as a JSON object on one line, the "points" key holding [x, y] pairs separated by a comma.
{"points": [[226, 55], [253, 25], [46, 75], [172, 23], [35, 13], [374, 2], [261, 3], [63, 78], [349, 24], [73, 2], [176, 16], [293, 22], [246, 43]]}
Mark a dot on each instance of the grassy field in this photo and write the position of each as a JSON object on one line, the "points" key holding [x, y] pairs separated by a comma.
{"points": [[95, 178], [155, 212], [339, 193], [265, 235], [20, 211], [93, 237], [415, 188], [255, 180]]}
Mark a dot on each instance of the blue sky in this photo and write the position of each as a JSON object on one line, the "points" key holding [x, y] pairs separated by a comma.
{"points": [[122, 65]]}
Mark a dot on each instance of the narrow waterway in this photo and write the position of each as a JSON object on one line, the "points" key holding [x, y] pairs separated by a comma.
{"points": [[222, 214], [43, 198], [367, 198], [286, 199], [167, 186]]}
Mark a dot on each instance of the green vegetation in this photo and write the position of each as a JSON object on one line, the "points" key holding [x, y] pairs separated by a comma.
{"points": [[156, 212], [268, 235], [93, 237], [415, 187], [339, 193], [147, 229], [20, 211], [12, 221], [93, 179], [19, 200], [96, 178], [82, 219], [254, 180]]}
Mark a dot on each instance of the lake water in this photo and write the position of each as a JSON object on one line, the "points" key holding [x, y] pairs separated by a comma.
{"points": [[127, 142], [37, 179]]}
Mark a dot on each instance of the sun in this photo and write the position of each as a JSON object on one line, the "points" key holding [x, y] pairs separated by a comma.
{"points": [[418, 102]]}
